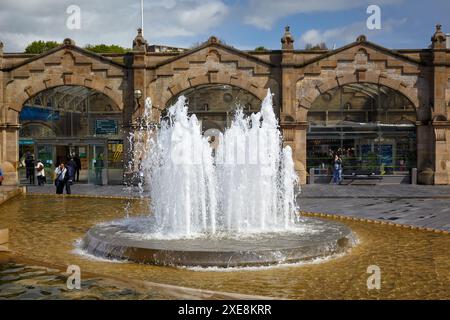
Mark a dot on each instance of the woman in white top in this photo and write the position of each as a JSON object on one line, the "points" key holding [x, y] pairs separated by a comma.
{"points": [[40, 169], [60, 180]]}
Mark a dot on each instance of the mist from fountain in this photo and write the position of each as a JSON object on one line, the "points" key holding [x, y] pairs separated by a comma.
{"points": [[247, 187]]}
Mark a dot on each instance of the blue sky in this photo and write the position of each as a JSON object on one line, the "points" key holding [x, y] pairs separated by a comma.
{"points": [[244, 24]]}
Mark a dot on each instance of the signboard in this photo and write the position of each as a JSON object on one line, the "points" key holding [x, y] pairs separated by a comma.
{"points": [[38, 114], [106, 126], [26, 142]]}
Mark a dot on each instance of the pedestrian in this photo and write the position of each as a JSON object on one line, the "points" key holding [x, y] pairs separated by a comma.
{"points": [[77, 160], [70, 175], [99, 169], [40, 169], [60, 179], [337, 169], [1, 176], [29, 167]]}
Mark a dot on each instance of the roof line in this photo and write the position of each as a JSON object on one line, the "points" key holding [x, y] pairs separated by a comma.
{"points": [[61, 47], [212, 42], [356, 43]]}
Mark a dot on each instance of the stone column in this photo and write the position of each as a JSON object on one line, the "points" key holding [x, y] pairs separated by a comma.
{"points": [[133, 107], [9, 134], [294, 129], [441, 121], [294, 135]]}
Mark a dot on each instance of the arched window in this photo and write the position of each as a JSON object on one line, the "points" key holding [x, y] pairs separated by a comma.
{"points": [[371, 126], [215, 105]]}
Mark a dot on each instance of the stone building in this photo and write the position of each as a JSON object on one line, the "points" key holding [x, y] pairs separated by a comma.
{"points": [[386, 112]]}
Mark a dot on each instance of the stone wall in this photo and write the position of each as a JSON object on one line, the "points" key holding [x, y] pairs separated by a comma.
{"points": [[296, 77]]}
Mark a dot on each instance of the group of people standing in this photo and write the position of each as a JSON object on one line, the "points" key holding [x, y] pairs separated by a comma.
{"points": [[65, 173], [34, 169]]}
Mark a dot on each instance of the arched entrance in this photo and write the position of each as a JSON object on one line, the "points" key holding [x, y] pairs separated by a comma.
{"points": [[372, 127], [215, 104], [67, 121]]}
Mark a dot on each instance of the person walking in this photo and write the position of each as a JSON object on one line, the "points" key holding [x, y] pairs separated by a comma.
{"points": [[29, 167], [77, 160], [337, 169], [70, 175], [60, 179], [40, 169], [99, 169], [1, 176]]}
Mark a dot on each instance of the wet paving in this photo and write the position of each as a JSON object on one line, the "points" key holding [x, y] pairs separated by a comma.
{"points": [[414, 264], [30, 282]]}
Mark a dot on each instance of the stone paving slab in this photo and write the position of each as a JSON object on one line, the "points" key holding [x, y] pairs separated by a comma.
{"points": [[379, 191]]}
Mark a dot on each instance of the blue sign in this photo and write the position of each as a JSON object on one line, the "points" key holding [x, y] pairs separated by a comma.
{"points": [[106, 126], [38, 114]]}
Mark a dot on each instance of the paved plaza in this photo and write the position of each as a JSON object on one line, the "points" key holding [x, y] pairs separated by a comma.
{"points": [[423, 206]]}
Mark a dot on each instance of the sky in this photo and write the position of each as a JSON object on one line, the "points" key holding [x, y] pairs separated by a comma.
{"points": [[244, 24]]}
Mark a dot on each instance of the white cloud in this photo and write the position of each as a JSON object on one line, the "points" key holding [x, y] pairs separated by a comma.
{"points": [[112, 21], [347, 34], [264, 13]]}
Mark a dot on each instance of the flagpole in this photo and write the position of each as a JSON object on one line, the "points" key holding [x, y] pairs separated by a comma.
{"points": [[142, 16]]}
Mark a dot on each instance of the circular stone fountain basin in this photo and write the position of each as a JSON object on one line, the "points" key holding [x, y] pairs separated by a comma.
{"points": [[124, 239]]}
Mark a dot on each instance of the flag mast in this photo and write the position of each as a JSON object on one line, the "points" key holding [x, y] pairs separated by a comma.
{"points": [[142, 16]]}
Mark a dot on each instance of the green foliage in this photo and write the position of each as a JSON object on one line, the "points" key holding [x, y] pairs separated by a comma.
{"points": [[104, 48], [38, 47], [261, 48]]}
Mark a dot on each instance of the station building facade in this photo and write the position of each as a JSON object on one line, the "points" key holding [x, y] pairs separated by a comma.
{"points": [[386, 112]]}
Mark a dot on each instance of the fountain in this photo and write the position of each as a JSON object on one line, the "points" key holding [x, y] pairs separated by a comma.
{"points": [[231, 206]]}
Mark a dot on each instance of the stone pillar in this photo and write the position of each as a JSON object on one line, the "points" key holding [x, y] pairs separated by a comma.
{"points": [[294, 135], [9, 134], [133, 107], [441, 121], [294, 129]]}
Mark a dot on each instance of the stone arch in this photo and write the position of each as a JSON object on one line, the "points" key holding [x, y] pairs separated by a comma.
{"points": [[314, 87], [28, 88], [240, 80]]}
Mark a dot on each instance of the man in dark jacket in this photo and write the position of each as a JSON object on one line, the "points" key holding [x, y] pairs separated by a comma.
{"points": [[71, 167], [29, 167], [77, 160]]}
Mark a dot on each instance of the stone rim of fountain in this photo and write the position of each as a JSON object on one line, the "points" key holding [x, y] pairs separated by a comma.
{"points": [[111, 241]]}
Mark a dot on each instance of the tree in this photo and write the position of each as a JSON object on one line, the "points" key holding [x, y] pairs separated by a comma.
{"points": [[38, 47], [260, 48], [319, 46], [104, 48]]}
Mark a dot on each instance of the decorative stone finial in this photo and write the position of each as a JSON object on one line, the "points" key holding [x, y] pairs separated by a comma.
{"points": [[1, 47], [287, 42], [68, 42], [139, 43], [361, 38], [438, 39], [213, 39]]}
